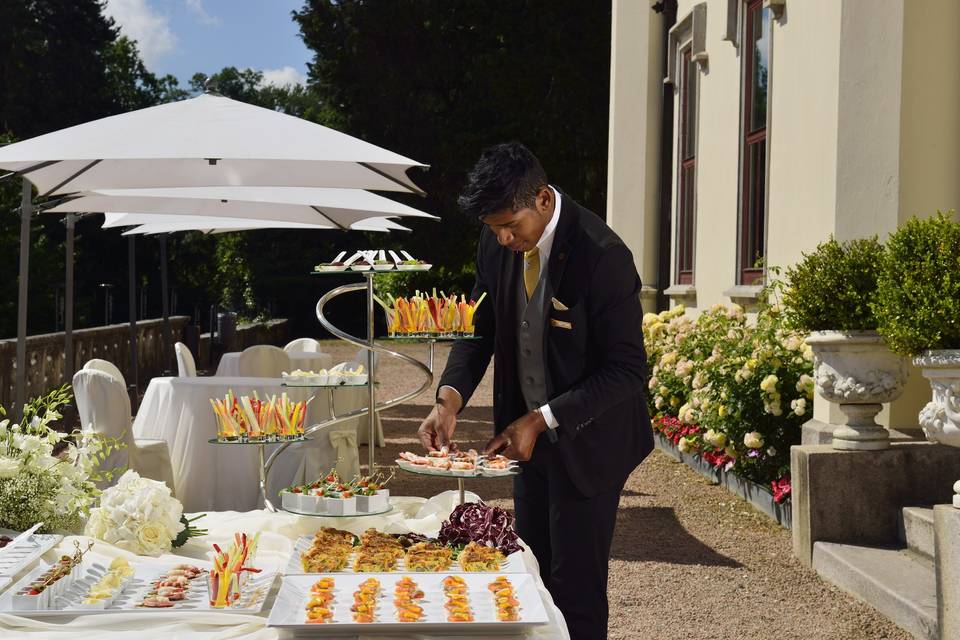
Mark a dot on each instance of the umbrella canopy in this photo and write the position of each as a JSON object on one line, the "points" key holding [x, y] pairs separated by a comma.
{"points": [[340, 208], [225, 225], [204, 141]]}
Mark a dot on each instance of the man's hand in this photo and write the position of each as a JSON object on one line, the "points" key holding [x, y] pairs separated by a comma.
{"points": [[437, 430], [518, 439]]}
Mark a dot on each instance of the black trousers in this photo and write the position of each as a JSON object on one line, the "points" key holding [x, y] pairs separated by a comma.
{"points": [[570, 536]]}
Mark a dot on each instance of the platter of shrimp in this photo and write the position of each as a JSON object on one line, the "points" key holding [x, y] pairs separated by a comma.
{"points": [[442, 604], [462, 464]]}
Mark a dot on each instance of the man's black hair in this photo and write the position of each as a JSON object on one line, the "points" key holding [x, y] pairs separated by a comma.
{"points": [[507, 176]]}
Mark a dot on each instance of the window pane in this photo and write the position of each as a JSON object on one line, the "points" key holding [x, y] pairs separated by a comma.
{"points": [[756, 201], [690, 113], [686, 219], [760, 40]]}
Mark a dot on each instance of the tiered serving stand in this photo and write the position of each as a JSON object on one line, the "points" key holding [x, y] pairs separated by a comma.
{"points": [[372, 347]]}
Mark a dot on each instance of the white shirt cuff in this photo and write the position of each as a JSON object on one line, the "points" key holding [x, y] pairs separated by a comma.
{"points": [[548, 416], [446, 386]]}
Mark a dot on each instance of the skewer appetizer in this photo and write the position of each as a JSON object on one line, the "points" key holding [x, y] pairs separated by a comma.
{"points": [[458, 601], [407, 597], [320, 605], [505, 600], [364, 606]]}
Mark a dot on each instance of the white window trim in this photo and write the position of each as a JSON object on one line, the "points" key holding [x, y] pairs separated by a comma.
{"points": [[690, 31]]}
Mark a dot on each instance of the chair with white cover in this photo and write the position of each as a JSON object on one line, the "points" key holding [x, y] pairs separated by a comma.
{"points": [[363, 429], [303, 345], [104, 407], [263, 361], [107, 367], [186, 365]]}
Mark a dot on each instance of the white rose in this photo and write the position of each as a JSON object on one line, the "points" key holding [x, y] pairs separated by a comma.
{"points": [[753, 440], [683, 445], [771, 451], [97, 524], [9, 467], [154, 539]]}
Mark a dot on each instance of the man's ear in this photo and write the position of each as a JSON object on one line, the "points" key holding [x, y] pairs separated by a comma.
{"points": [[544, 200]]}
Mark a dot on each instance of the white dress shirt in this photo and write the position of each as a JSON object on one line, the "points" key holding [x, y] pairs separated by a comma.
{"points": [[544, 244]]}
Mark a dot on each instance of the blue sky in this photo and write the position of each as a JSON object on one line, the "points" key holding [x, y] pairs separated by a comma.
{"points": [[183, 37]]}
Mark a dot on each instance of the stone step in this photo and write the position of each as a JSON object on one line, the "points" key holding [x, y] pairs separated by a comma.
{"points": [[916, 530], [897, 582]]}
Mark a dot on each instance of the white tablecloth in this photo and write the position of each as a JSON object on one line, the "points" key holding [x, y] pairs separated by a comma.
{"points": [[279, 531], [304, 360], [224, 477]]}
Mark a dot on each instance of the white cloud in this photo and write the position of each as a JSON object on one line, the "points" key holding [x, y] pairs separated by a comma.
{"points": [[283, 77], [196, 6], [141, 22]]}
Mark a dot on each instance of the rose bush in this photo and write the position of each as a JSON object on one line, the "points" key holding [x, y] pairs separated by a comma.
{"points": [[733, 392]]}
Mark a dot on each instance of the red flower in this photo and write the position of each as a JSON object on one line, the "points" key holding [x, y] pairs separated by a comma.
{"points": [[781, 489]]}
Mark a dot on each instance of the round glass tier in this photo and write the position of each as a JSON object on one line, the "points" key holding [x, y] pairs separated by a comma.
{"points": [[366, 272], [329, 515], [428, 338], [288, 440], [460, 476], [325, 386]]}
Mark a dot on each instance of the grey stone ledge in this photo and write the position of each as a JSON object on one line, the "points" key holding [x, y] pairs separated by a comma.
{"points": [[681, 291], [744, 292]]}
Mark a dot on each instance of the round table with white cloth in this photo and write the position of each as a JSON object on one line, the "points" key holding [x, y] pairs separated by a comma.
{"points": [[224, 477], [278, 533], [303, 360]]}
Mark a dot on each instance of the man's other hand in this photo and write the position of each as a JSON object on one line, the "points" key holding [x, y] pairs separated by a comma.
{"points": [[518, 439]]}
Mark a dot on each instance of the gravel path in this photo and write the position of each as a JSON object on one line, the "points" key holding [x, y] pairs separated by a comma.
{"points": [[689, 559]]}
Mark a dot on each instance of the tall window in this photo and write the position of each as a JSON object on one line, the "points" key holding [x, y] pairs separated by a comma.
{"points": [[686, 211], [754, 170]]}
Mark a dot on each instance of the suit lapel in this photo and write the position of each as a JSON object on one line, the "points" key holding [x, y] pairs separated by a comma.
{"points": [[560, 252]]}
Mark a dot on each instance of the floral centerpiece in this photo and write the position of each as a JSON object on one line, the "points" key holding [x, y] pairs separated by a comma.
{"points": [[140, 515], [47, 476]]}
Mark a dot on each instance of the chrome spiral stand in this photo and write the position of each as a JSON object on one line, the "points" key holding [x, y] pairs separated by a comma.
{"points": [[372, 407]]}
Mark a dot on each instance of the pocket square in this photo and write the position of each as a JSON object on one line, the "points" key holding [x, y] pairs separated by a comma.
{"points": [[559, 306], [561, 324]]}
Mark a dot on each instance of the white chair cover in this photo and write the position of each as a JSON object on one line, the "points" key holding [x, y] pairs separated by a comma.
{"points": [[264, 361], [186, 365], [303, 345], [363, 431], [104, 406], [348, 458], [107, 367]]}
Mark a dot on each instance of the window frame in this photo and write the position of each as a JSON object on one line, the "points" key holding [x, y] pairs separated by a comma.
{"points": [[752, 231], [686, 236]]}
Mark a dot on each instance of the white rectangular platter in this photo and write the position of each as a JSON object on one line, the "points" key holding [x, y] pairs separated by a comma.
{"points": [[513, 563], [15, 560], [289, 609], [253, 594], [479, 472]]}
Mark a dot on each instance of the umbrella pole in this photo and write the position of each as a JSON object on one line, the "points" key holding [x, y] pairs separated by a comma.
{"points": [[25, 211], [132, 298], [165, 303], [68, 353]]}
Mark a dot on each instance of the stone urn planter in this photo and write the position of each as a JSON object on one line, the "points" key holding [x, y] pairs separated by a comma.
{"points": [[940, 419], [859, 372]]}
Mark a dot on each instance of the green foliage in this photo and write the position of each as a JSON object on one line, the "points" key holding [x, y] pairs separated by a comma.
{"points": [[833, 287], [918, 290], [736, 392]]}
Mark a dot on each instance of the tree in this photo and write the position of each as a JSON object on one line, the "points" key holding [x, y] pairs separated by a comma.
{"points": [[438, 81]]}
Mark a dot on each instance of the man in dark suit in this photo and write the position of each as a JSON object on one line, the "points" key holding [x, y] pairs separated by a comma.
{"points": [[563, 323]]}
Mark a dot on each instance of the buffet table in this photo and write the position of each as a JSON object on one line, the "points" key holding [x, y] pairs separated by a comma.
{"points": [[278, 534], [225, 477]]}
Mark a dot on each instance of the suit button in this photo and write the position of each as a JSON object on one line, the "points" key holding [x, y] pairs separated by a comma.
{"points": [[529, 380], [524, 324]]}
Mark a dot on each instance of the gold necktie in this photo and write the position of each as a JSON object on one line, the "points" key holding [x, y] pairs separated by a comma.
{"points": [[531, 270]]}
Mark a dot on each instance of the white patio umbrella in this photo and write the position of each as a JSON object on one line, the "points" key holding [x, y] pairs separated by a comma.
{"points": [[209, 140], [227, 225], [339, 207]]}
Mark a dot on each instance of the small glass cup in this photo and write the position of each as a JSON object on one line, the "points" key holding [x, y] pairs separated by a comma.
{"points": [[222, 593]]}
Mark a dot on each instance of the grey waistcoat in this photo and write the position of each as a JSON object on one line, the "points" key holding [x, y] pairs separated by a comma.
{"points": [[530, 343]]}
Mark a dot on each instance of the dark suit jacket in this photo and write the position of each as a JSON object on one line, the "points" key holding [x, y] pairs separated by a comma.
{"points": [[596, 370]]}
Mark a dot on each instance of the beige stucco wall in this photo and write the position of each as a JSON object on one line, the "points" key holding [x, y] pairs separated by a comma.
{"points": [[863, 133], [803, 128], [633, 152]]}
